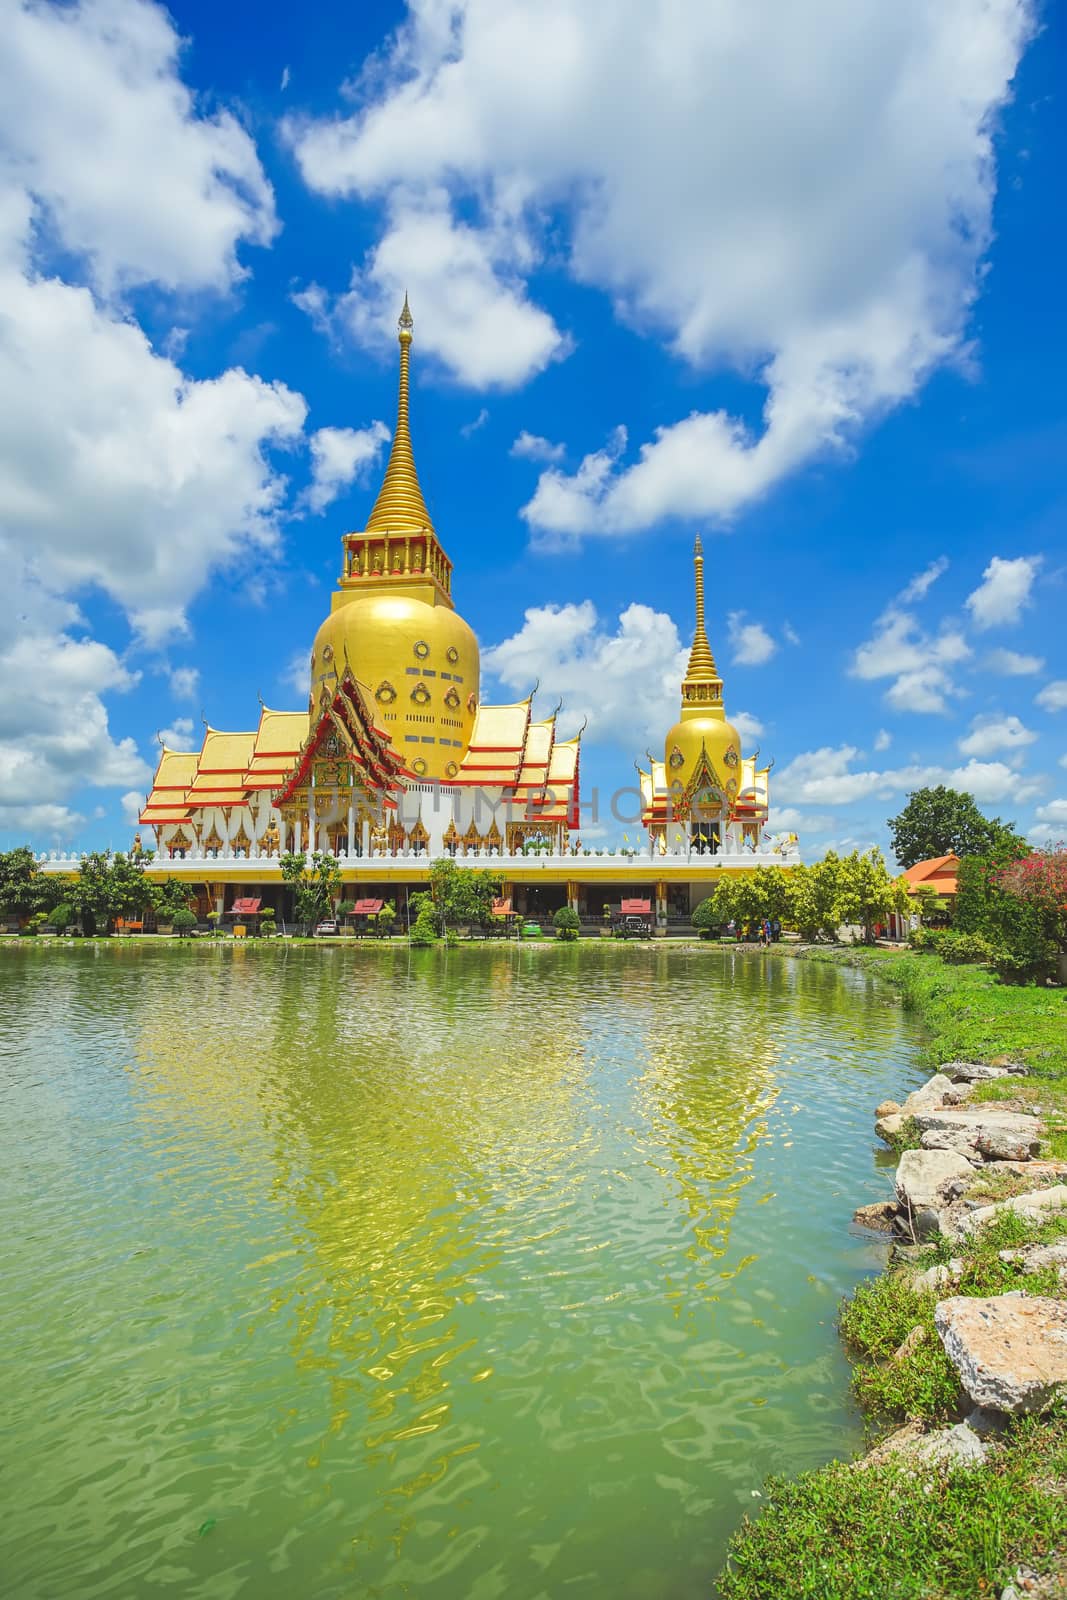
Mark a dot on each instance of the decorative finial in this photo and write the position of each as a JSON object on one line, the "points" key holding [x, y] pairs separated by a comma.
{"points": [[400, 508], [262, 702], [533, 691], [407, 321], [585, 724], [557, 711], [203, 718], [698, 548], [162, 746]]}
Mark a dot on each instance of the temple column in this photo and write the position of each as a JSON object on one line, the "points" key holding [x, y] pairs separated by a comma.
{"points": [[282, 830], [311, 820], [351, 847], [365, 834]]}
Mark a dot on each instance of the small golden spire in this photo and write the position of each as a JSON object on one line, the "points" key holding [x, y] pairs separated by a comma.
{"points": [[400, 507], [702, 668]]}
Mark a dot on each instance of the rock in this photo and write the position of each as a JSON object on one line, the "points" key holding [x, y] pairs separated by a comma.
{"points": [[971, 1071], [931, 1094], [1030, 1169], [878, 1216], [986, 1424], [968, 1130], [952, 1447], [887, 1108], [1034, 1207], [942, 1276], [1038, 1258], [958, 1094], [927, 1181], [888, 1127], [915, 1338], [1004, 1144], [947, 1448], [1018, 1069], [1010, 1351]]}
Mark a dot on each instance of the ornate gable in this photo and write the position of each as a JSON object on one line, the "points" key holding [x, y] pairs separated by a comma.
{"points": [[344, 748]]}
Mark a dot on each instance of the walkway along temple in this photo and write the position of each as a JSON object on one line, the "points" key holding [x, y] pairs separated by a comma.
{"points": [[396, 760]]}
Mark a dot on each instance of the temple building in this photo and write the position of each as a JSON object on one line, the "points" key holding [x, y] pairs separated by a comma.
{"points": [[396, 761]]}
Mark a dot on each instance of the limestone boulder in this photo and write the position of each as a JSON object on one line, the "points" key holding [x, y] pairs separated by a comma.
{"points": [[932, 1093], [1037, 1206], [927, 1182], [958, 1095], [971, 1071], [973, 1130], [945, 1275], [889, 1126], [879, 1216], [947, 1449], [1010, 1350], [888, 1108], [1033, 1258]]}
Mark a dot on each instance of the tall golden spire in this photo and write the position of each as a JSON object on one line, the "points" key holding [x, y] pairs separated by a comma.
{"points": [[702, 668], [400, 507]]}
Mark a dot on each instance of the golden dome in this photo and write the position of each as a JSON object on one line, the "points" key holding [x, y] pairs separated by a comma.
{"points": [[419, 665], [393, 623]]}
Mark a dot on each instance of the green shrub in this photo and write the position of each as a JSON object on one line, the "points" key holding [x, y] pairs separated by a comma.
{"points": [[963, 949], [424, 928], [184, 922], [345, 908], [567, 923], [61, 916], [267, 921], [706, 919]]}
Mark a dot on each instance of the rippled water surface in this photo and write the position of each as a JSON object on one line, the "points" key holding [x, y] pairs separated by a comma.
{"points": [[453, 1274]]}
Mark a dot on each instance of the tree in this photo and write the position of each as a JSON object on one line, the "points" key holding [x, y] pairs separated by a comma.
{"points": [[24, 888], [184, 922], [110, 886], [567, 923], [313, 884], [866, 894], [459, 894], [941, 822], [1037, 883], [168, 898], [813, 898]]}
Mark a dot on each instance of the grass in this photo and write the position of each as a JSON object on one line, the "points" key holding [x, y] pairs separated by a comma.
{"points": [[896, 1532]]}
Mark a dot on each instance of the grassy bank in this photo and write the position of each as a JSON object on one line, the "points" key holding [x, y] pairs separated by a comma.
{"points": [[890, 1530]]}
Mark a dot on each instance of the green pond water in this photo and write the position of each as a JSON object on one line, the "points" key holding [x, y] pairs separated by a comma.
{"points": [[453, 1274]]}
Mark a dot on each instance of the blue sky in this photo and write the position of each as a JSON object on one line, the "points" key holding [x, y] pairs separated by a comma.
{"points": [[791, 282]]}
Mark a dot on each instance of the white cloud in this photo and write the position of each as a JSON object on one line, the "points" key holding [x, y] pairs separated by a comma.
{"points": [[294, 676], [479, 422], [184, 682], [922, 582], [992, 733], [1044, 834], [920, 663], [1063, 761], [822, 234], [54, 734], [1004, 591], [1053, 811], [131, 805], [286, 79], [749, 727], [170, 475], [340, 457], [752, 644], [97, 126], [179, 736], [882, 739], [787, 819], [826, 777], [1012, 664], [466, 289], [1053, 697], [532, 447], [626, 680]]}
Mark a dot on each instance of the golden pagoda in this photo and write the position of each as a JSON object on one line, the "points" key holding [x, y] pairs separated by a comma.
{"points": [[393, 622]]}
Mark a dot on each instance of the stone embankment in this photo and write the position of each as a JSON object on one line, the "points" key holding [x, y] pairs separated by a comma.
{"points": [[1008, 1349]]}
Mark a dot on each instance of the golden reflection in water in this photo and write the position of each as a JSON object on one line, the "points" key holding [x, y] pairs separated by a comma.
{"points": [[406, 1160], [705, 1095]]}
